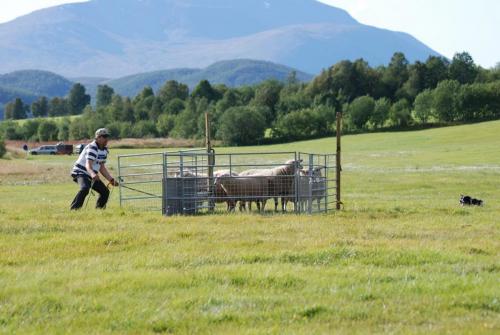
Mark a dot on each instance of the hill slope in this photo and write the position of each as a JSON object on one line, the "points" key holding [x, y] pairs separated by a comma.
{"points": [[30, 84], [113, 38], [232, 73], [37, 82]]}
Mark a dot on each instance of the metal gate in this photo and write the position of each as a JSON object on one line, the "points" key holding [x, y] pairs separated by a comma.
{"points": [[195, 182], [200, 182], [141, 179]]}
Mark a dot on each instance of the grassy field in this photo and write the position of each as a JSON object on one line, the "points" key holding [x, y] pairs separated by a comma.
{"points": [[402, 257], [56, 119]]}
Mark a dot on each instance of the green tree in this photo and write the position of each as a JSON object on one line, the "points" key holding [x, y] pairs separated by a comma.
{"points": [[115, 109], [293, 100], [47, 131], [400, 113], [9, 130], [3, 149], [40, 107], [423, 106], [268, 94], [9, 111], [436, 71], [104, 95], [230, 99], [128, 111], [305, 123], [381, 112], [144, 129], [479, 101], [173, 90], [174, 107], [114, 129], [445, 100], [245, 94], [186, 123], [143, 103], [30, 129], [360, 111], [125, 131], [463, 69], [78, 130], [416, 81], [165, 124], [15, 110], [156, 109], [242, 126], [63, 129], [205, 90], [77, 99], [58, 107], [395, 75]]}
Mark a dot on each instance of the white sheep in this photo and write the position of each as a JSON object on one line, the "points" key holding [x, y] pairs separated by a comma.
{"points": [[280, 180], [250, 188]]}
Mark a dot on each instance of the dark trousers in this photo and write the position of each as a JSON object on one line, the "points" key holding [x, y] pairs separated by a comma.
{"points": [[85, 183]]}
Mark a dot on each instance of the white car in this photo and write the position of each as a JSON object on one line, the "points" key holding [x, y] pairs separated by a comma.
{"points": [[44, 150]]}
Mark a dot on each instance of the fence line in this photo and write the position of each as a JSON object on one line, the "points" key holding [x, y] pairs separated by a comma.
{"points": [[196, 182]]}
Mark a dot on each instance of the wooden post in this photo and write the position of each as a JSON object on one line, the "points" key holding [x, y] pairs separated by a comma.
{"points": [[210, 161], [208, 142], [338, 158]]}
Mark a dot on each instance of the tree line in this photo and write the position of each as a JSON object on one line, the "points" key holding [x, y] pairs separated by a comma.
{"points": [[399, 95]]}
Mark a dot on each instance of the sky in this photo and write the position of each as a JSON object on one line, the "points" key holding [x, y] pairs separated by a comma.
{"points": [[447, 26]]}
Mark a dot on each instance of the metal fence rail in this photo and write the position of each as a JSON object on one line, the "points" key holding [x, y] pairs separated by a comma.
{"points": [[141, 180], [196, 182]]}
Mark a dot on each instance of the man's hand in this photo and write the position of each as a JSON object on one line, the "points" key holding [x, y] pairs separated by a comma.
{"points": [[95, 177], [114, 182]]}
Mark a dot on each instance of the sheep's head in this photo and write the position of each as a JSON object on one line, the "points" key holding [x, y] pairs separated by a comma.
{"points": [[317, 171], [293, 164]]}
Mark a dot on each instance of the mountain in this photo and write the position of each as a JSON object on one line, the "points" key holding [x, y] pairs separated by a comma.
{"points": [[37, 82], [232, 73], [112, 38], [30, 84]]}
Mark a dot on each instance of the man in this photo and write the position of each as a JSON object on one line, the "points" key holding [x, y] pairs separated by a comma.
{"points": [[85, 173]]}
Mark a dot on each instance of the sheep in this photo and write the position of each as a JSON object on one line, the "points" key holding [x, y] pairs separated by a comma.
{"points": [[219, 193], [251, 188], [280, 180], [312, 186], [202, 180], [319, 188]]}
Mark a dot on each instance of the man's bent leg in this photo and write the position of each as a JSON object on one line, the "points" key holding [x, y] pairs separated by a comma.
{"points": [[103, 191], [84, 183]]}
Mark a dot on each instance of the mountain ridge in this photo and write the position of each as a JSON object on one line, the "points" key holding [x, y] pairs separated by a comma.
{"points": [[113, 38], [233, 73]]}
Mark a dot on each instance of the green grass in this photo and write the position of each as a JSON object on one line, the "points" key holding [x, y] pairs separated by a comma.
{"points": [[56, 119], [402, 258]]}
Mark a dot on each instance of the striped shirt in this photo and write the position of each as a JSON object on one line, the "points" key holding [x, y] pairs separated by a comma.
{"points": [[93, 153]]}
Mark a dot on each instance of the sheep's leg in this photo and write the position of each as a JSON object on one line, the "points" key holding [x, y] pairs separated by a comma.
{"points": [[231, 205], [258, 205], [276, 201], [264, 202]]}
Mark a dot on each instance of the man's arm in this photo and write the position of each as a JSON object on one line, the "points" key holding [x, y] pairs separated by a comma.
{"points": [[90, 170], [104, 171]]}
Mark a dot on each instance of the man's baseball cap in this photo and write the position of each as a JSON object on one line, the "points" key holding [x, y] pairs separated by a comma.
{"points": [[102, 132]]}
